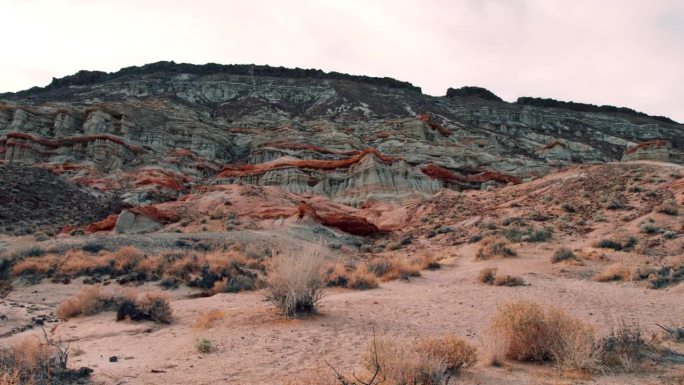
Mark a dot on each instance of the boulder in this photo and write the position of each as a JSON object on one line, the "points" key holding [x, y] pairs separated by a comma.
{"points": [[132, 223]]}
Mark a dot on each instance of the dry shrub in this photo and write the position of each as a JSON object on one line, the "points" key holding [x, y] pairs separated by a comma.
{"points": [[494, 346], [150, 306], [78, 262], [93, 300], [338, 274], [508, 280], [39, 265], [563, 254], [614, 272], [532, 334], [206, 319], [34, 361], [494, 247], [426, 261], [624, 347], [362, 279], [430, 361], [522, 324], [487, 275], [295, 282], [126, 258], [389, 269], [150, 265], [89, 301], [571, 341], [452, 349]]}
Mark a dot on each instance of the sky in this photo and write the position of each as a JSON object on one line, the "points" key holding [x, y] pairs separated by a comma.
{"points": [[618, 52]]}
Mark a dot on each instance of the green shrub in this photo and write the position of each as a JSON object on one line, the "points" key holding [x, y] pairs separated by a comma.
{"points": [[562, 254], [204, 345]]}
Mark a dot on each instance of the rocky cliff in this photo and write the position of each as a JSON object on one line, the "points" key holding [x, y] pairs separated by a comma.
{"points": [[156, 132]]}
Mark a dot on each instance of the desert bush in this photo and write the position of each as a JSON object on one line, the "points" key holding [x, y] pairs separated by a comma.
{"points": [[568, 208], [30, 252], [379, 266], [624, 347], [429, 361], [338, 274], [494, 346], [453, 350], [528, 234], [126, 258], [475, 238], [530, 333], [76, 263], [362, 279], [295, 282], [650, 228], [669, 235], [494, 247], [204, 345], [617, 246], [89, 301], [508, 280], [35, 361], [93, 300], [39, 266], [487, 275], [614, 272], [206, 319], [669, 208], [149, 306], [92, 247], [562, 254]]}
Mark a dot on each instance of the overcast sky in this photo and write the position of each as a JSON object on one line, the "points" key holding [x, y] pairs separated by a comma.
{"points": [[620, 52]]}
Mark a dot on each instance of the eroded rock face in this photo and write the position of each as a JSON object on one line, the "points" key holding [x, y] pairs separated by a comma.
{"points": [[656, 150], [154, 133]]}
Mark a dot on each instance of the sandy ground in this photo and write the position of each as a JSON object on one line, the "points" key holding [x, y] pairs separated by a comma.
{"points": [[257, 346]]}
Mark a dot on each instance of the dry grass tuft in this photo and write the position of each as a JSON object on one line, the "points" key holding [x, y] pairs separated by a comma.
{"points": [[89, 301], [295, 281], [530, 333], [38, 265], [614, 272], [362, 279], [34, 361], [494, 247], [93, 300], [508, 280], [429, 361], [487, 275], [207, 319]]}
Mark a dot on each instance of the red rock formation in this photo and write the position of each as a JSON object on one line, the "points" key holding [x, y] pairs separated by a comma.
{"points": [[164, 178], [163, 216], [251, 169], [553, 144], [428, 119], [106, 224], [348, 223], [446, 175], [302, 146], [652, 143]]}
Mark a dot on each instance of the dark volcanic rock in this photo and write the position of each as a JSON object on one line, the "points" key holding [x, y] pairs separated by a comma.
{"points": [[35, 199], [469, 91]]}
